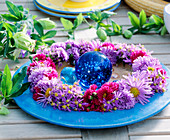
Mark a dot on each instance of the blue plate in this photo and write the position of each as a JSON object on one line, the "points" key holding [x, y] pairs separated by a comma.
{"points": [[93, 120], [65, 15]]}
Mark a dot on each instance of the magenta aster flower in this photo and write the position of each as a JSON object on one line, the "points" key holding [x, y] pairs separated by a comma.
{"points": [[136, 54], [138, 85]]}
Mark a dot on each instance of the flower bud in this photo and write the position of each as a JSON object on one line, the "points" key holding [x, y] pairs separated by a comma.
{"points": [[23, 41], [47, 24]]}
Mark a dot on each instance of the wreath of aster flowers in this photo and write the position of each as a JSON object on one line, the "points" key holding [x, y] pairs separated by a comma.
{"points": [[148, 77]]}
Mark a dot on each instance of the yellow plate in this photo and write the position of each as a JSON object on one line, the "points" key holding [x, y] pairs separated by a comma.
{"points": [[70, 7], [67, 15]]}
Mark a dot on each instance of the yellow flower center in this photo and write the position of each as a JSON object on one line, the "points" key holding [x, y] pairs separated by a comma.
{"points": [[47, 93], [96, 49], [151, 69], [104, 95], [134, 91]]}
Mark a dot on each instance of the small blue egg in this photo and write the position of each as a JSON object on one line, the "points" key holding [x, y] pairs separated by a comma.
{"points": [[68, 75]]}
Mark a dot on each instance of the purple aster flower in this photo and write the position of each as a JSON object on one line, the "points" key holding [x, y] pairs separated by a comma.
{"points": [[145, 62], [37, 75], [110, 53], [124, 51], [123, 100], [95, 45], [73, 49], [56, 51], [66, 97], [85, 46], [159, 77], [139, 85], [45, 83]]}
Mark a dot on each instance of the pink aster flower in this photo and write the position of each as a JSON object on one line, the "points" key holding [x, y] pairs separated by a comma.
{"points": [[40, 57], [105, 93], [113, 86], [136, 54], [108, 45]]}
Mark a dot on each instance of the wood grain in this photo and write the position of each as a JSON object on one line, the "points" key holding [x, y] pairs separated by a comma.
{"points": [[37, 131], [106, 134]]}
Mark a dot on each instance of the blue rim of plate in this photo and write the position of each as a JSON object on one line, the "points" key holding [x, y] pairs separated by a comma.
{"points": [[68, 12], [93, 120], [65, 15]]}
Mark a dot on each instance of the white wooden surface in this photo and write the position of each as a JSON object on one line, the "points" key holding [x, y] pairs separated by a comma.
{"points": [[20, 125]]}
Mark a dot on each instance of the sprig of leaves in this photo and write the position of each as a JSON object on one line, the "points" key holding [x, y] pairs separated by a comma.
{"points": [[11, 87], [70, 27], [42, 35], [141, 25]]}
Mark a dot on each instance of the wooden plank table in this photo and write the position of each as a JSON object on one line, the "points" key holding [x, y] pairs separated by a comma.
{"points": [[20, 125]]}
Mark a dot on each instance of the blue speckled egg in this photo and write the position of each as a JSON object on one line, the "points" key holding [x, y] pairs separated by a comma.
{"points": [[93, 68]]}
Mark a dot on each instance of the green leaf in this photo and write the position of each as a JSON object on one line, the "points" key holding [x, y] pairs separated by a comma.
{"points": [[101, 24], [10, 28], [68, 25], [78, 21], [10, 17], [38, 27], [2, 35], [164, 30], [12, 41], [24, 87], [101, 34], [6, 45], [13, 9], [18, 80], [142, 17], [49, 34], [6, 83], [117, 29], [134, 19], [1, 74], [157, 20], [35, 37], [21, 8], [92, 16], [49, 42], [106, 14], [4, 111]]}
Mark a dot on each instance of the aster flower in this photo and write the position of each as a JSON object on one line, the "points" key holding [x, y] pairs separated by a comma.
{"points": [[56, 51], [123, 99], [108, 45], [39, 74], [91, 99], [145, 62], [138, 85], [110, 53], [112, 86], [73, 49], [95, 45], [159, 77], [125, 51], [66, 97], [85, 46], [136, 54]]}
